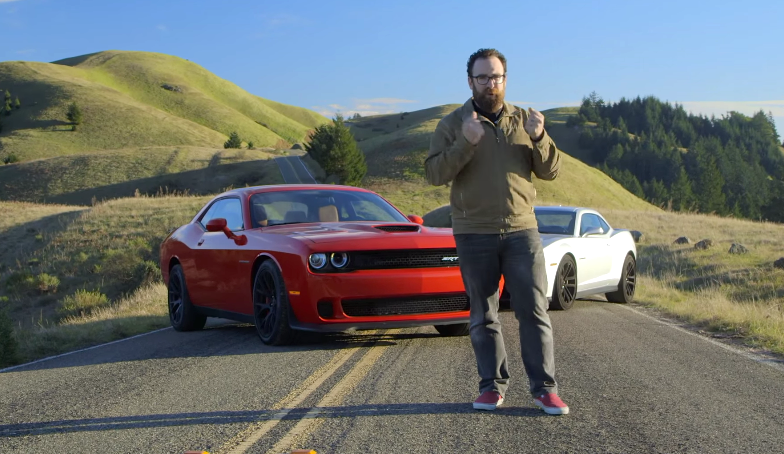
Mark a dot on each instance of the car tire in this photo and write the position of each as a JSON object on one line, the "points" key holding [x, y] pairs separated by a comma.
{"points": [[627, 285], [271, 306], [565, 285], [457, 329], [183, 316]]}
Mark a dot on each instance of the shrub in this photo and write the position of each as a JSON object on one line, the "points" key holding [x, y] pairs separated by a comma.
{"points": [[19, 282], [47, 283], [10, 159], [74, 114], [82, 302]]}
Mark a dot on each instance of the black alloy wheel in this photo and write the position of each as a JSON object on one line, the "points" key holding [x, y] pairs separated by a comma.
{"points": [[627, 285], [271, 305], [183, 316], [565, 285]]}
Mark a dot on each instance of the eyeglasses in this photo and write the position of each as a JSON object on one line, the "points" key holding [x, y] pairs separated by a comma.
{"points": [[483, 80]]}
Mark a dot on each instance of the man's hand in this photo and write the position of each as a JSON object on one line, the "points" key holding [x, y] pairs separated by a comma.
{"points": [[535, 124], [472, 129]]}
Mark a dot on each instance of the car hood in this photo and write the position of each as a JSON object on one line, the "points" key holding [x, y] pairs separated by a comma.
{"points": [[356, 231]]}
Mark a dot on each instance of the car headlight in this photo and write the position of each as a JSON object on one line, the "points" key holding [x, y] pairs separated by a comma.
{"points": [[339, 259], [318, 260]]}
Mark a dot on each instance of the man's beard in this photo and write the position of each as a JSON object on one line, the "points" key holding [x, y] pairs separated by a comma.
{"points": [[489, 102]]}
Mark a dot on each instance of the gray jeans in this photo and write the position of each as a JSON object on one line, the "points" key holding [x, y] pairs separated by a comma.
{"points": [[518, 256]]}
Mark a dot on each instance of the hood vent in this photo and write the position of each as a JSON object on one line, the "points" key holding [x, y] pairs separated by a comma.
{"points": [[398, 228]]}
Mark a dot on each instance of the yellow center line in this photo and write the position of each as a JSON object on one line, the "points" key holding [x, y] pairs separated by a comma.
{"points": [[310, 422], [252, 434]]}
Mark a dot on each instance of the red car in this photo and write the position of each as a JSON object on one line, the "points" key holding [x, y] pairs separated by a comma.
{"points": [[312, 257]]}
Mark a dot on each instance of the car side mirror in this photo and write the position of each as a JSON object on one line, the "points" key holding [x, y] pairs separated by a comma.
{"points": [[416, 219], [219, 225], [593, 231], [216, 225]]}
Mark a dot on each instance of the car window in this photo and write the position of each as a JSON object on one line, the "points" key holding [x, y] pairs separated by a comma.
{"points": [[561, 223], [591, 221], [323, 205], [229, 209]]}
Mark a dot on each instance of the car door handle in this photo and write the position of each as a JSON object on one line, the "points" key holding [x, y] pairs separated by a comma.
{"points": [[200, 241]]}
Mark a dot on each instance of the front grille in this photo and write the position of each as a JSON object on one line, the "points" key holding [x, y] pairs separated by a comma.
{"points": [[398, 228], [428, 304], [404, 258]]}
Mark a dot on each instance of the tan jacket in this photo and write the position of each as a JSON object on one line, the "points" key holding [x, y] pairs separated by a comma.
{"points": [[491, 189]]}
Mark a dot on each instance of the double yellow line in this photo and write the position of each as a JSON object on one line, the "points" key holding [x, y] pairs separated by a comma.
{"points": [[244, 440]]}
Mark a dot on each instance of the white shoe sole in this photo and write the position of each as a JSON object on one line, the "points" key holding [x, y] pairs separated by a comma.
{"points": [[479, 406], [551, 410]]}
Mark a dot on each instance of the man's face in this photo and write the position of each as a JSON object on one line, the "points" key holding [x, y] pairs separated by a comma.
{"points": [[489, 97]]}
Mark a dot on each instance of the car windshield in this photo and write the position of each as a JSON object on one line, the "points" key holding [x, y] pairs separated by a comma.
{"points": [[320, 205], [558, 222]]}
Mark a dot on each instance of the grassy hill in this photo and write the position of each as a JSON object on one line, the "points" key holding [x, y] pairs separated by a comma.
{"points": [[79, 179], [396, 146], [137, 99]]}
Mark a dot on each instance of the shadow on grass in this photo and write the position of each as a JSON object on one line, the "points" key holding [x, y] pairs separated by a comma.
{"points": [[32, 237], [234, 417], [209, 180]]}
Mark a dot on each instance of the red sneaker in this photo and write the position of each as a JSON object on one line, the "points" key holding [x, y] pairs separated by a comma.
{"points": [[551, 404], [489, 400]]}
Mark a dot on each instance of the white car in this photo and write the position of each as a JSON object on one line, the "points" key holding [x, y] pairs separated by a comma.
{"points": [[585, 256]]}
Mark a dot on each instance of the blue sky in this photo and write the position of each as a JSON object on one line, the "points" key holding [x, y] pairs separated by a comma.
{"points": [[373, 57]]}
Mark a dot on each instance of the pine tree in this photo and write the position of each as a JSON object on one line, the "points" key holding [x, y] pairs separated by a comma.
{"points": [[710, 186], [17, 104], [683, 197], [234, 141], [334, 148]]}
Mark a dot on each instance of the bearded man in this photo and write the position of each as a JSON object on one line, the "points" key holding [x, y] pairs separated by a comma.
{"points": [[488, 150]]}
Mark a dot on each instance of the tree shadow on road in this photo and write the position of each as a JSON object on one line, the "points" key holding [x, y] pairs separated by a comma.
{"points": [[234, 417]]}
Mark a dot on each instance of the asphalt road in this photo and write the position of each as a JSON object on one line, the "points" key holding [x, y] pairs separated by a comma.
{"points": [[634, 384], [293, 170]]}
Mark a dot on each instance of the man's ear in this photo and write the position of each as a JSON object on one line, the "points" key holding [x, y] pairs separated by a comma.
{"points": [[470, 83]]}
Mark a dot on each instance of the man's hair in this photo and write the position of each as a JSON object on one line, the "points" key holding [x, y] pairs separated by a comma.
{"points": [[485, 53]]}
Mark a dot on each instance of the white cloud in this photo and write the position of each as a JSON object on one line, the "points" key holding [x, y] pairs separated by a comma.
{"points": [[365, 107], [8, 1], [25, 51], [162, 28]]}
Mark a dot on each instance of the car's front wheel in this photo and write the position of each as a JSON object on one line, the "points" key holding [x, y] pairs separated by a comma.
{"points": [[565, 285], [271, 305], [457, 329], [182, 315], [627, 284]]}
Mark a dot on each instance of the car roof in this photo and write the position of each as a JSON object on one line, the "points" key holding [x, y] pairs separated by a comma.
{"points": [[290, 187], [565, 209]]}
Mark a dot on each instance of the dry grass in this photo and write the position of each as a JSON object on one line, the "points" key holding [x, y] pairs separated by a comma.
{"points": [[732, 295], [142, 311]]}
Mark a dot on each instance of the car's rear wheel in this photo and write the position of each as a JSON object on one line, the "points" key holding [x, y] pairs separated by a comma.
{"points": [[271, 305], [627, 284], [182, 315], [457, 329], [565, 285]]}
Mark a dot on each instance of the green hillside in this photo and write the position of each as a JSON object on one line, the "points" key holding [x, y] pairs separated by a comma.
{"points": [[136, 99], [396, 146]]}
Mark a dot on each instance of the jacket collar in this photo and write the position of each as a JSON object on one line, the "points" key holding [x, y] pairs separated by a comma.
{"points": [[508, 111]]}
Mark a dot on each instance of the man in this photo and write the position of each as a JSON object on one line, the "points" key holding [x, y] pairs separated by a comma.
{"points": [[488, 149]]}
